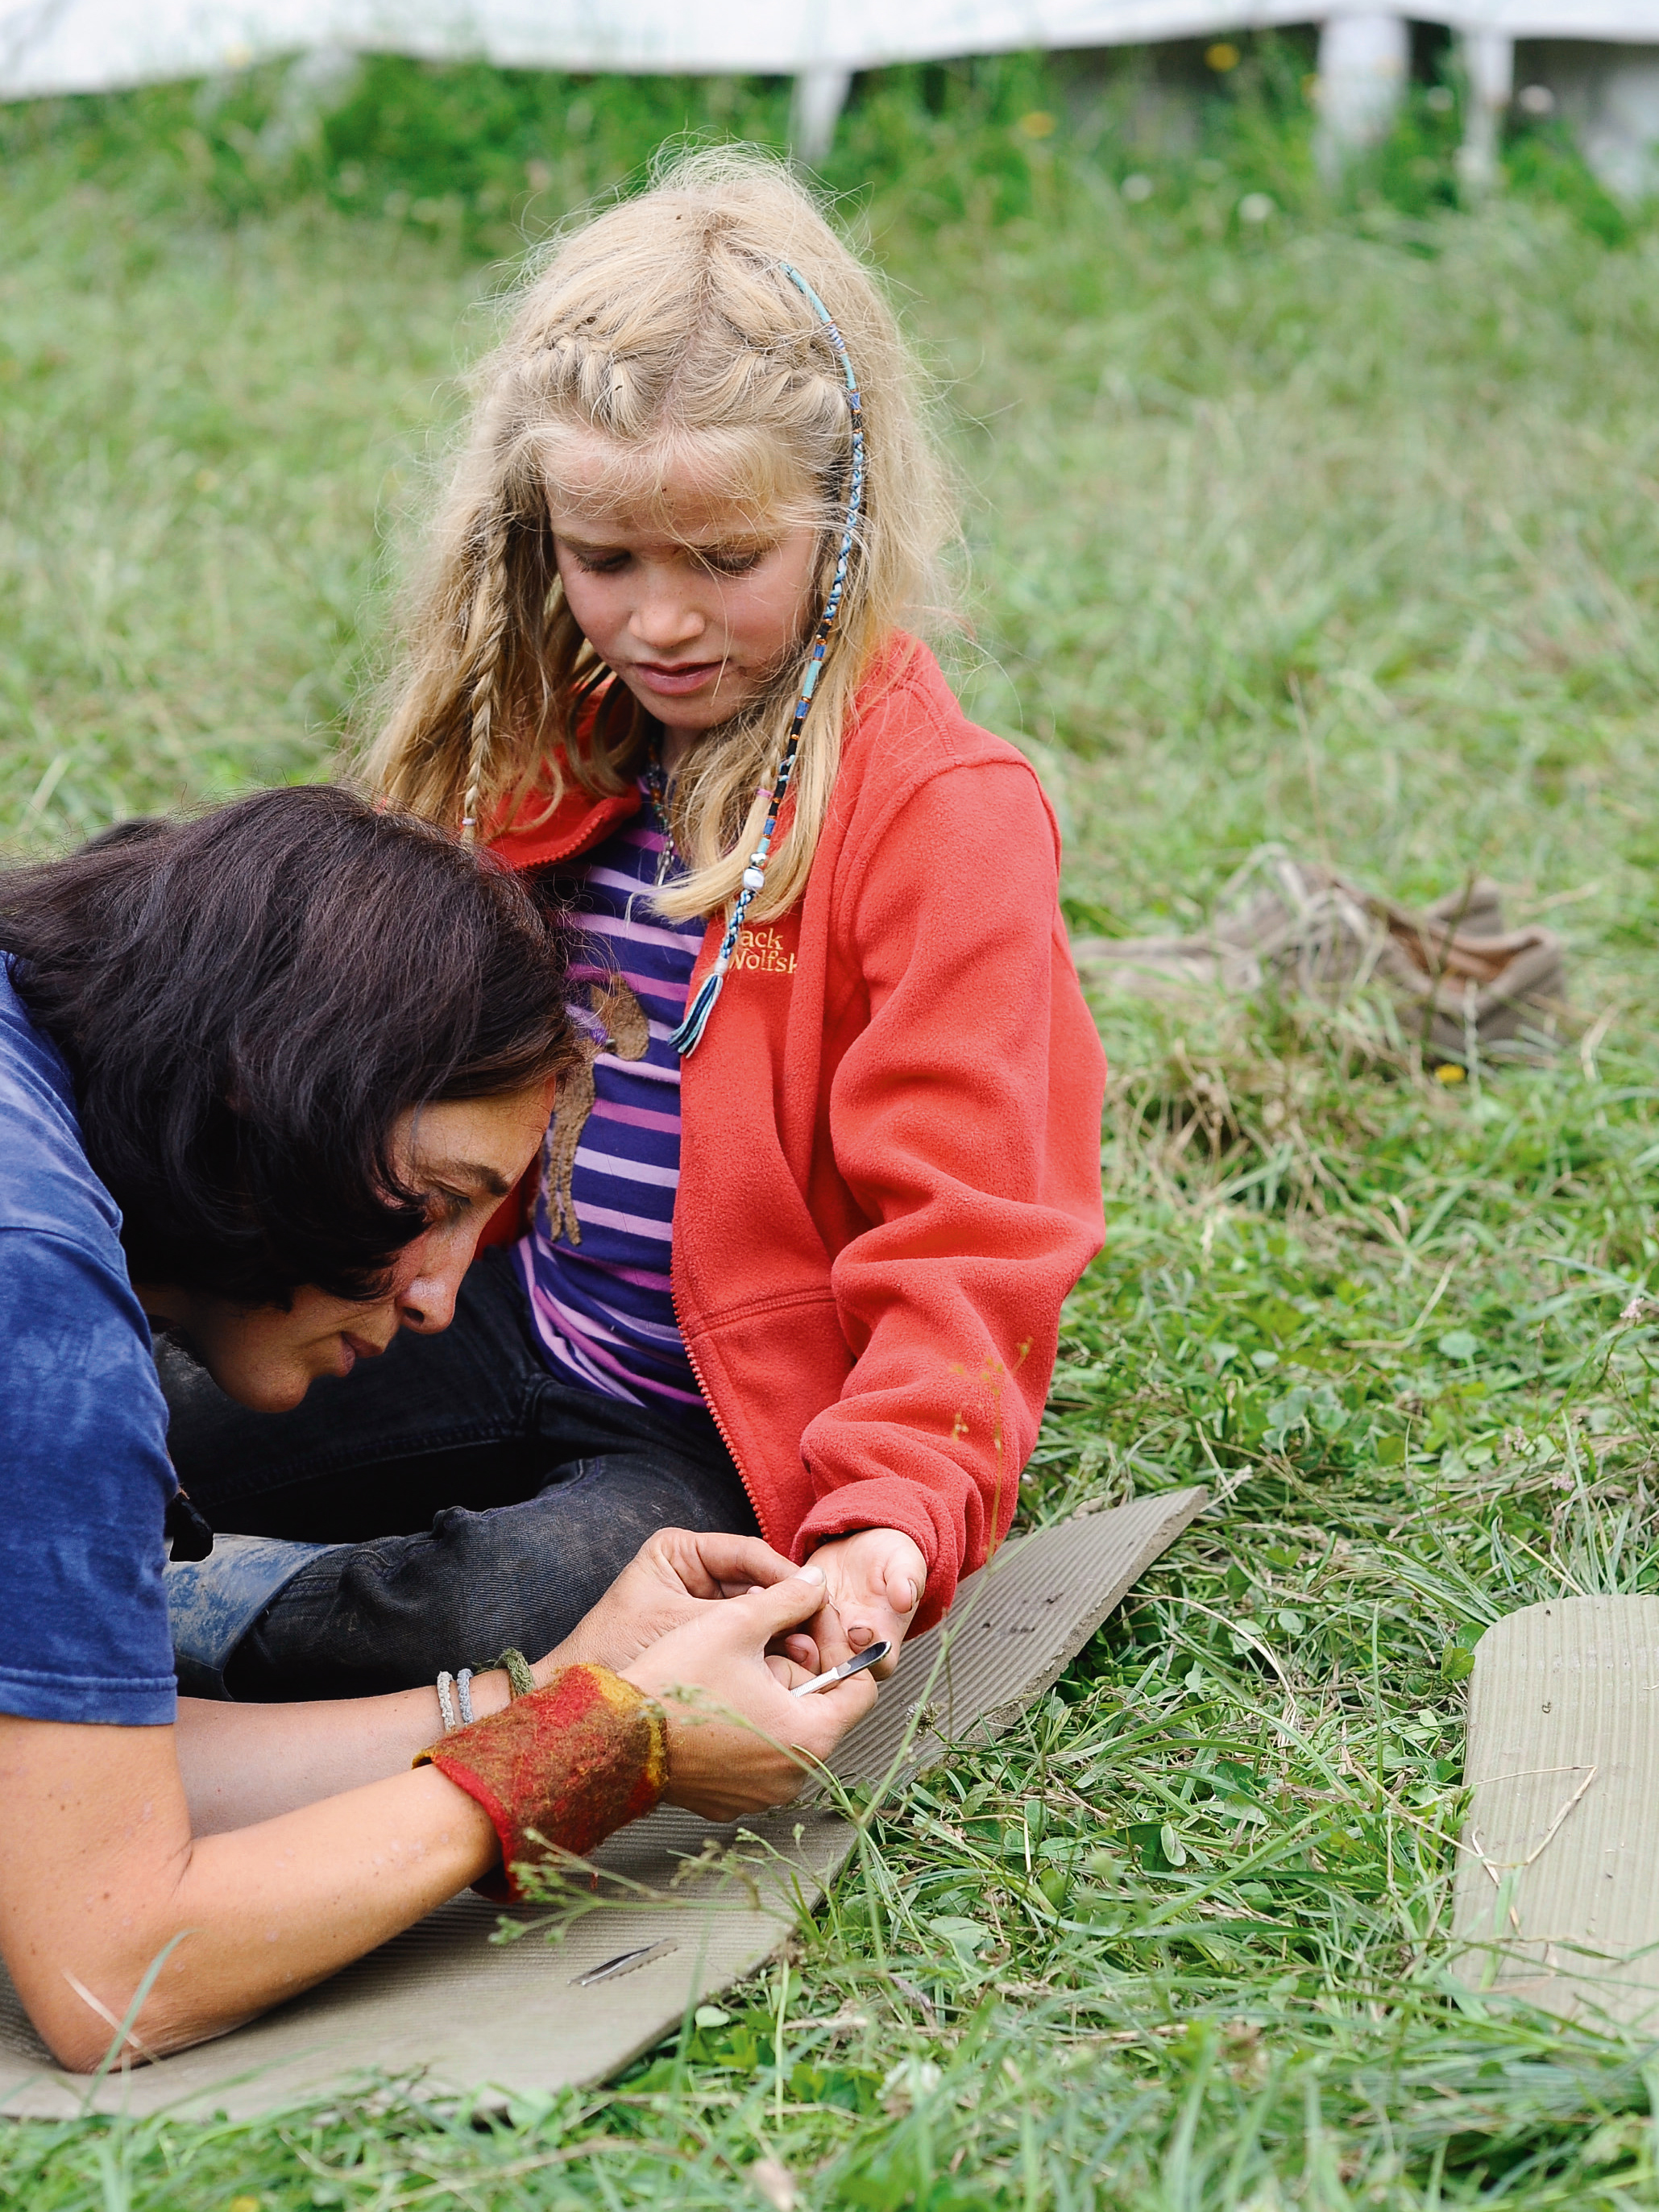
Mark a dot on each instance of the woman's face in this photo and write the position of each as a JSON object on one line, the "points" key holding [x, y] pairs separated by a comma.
{"points": [[696, 604], [466, 1156]]}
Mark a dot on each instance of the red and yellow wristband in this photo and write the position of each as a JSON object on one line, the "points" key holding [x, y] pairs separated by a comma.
{"points": [[558, 1769]]}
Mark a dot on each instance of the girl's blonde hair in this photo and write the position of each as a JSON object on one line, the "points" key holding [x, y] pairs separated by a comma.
{"points": [[666, 324]]}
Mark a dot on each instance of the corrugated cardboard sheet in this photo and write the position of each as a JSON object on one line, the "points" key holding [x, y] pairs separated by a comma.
{"points": [[684, 1909], [1557, 1885]]}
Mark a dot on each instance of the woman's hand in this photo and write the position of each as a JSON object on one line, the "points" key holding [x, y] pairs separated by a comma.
{"points": [[874, 1580], [91, 1893], [243, 1764], [734, 1732], [673, 1579]]}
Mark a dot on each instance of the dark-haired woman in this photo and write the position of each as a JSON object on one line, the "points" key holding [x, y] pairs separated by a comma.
{"points": [[263, 1078]]}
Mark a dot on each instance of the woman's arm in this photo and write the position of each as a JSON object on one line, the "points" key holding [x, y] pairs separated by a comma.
{"points": [[243, 1764], [100, 1869], [240, 1765]]}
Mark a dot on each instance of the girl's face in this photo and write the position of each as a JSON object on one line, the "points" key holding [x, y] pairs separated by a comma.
{"points": [[694, 604]]}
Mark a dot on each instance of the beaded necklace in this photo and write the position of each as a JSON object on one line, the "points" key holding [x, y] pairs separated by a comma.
{"points": [[687, 1037], [656, 784]]}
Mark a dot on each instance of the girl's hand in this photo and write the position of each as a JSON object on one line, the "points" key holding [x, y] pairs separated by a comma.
{"points": [[676, 1577], [874, 1580], [734, 1732]]}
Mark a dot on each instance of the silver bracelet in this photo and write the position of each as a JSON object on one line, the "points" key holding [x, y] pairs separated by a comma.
{"points": [[446, 1703], [464, 1695]]}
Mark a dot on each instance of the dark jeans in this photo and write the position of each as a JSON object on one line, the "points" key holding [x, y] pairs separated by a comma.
{"points": [[477, 1501]]}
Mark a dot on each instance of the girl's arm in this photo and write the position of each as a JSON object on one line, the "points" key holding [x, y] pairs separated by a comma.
{"points": [[966, 1120], [101, 1869]]}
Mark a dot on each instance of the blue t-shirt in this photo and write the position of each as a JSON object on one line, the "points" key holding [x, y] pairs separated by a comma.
{"points": [[84, 1477]]}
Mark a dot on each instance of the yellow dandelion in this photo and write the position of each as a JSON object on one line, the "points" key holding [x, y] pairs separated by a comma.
{"points": [[1222, 56], [1039, 123], [1450, 1071]]}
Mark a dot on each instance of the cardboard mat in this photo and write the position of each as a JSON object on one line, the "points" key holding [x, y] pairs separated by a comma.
{"points": [[684, 1909], [1557, 1884]]}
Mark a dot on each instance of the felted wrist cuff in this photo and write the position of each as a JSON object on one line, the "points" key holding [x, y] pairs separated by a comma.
{"points": [[558, 1770]]}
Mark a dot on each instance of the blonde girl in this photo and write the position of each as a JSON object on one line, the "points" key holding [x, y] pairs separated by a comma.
{"points": [[795, 1254]]}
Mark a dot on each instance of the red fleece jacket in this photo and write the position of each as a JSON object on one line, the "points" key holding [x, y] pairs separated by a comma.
{"points": [[890, 1159]]}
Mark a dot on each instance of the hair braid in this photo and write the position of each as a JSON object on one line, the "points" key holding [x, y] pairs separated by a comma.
{"points": [[490, 621]]}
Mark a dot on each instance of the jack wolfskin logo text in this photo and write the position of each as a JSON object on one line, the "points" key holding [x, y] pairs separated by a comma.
{"points": [[761, 952]]}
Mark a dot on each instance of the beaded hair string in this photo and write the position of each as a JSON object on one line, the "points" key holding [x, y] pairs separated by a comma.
{"points": [[687, 1037]]}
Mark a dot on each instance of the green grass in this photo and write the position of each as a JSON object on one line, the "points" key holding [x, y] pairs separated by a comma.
{"points": [[1340, 527]]}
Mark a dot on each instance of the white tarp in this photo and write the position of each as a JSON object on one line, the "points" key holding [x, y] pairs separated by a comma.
{"points": [[82, 45]]}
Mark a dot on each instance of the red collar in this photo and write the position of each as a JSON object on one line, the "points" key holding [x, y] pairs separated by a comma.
{"points": [[577, 824]]}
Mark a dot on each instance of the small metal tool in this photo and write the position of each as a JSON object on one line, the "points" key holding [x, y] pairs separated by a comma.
{"points": [[625, 1962], [872, 1657]]}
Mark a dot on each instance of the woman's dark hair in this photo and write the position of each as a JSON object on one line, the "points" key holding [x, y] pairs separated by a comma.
{"points": [[249, 1001]]}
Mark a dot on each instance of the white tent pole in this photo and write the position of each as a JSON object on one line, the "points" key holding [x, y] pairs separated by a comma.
{"points": [[1489, 86], [814, 108], [1364, 63]]}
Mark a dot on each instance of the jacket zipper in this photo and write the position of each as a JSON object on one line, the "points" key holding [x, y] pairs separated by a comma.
{"points": [[715, 1412]]}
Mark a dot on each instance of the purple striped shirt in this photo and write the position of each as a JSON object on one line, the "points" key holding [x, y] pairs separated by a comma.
{"points": [[595, 1261]]}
